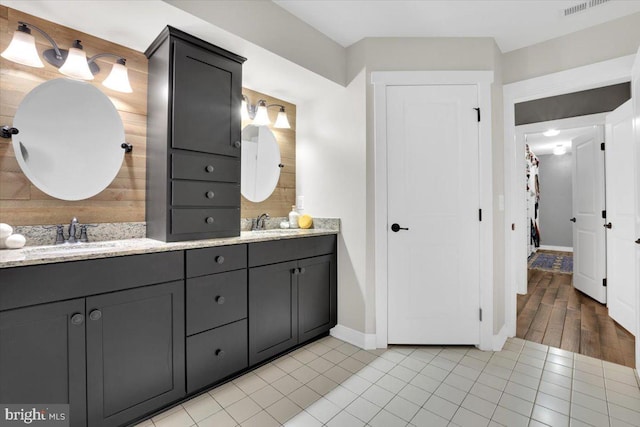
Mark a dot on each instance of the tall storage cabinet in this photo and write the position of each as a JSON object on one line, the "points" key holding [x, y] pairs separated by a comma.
{"points": [[193, 139]]}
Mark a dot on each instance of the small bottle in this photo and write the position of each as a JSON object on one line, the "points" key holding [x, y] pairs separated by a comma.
{"points": [[293, 217]]}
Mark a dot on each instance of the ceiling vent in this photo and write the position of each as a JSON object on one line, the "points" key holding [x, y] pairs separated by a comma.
{"points": [[581, 7]]}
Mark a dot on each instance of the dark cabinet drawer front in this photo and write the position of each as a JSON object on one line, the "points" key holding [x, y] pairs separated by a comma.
{"points": [[216, 354], [205, 220], [216, 260], [263, 253], [203, 167], [196, 193], [216, 300]]}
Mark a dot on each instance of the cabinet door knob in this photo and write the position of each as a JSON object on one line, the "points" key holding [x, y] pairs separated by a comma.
{"points": [[219, 259], [77, 319], [95, 315], [295, 271], [237, 144], [210, 194], [302, 270], [209, 168], [220, 353], [220, 299], [210, 220]]}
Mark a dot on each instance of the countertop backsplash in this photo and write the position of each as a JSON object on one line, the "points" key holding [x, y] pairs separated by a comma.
{"points": [[42, 235]]}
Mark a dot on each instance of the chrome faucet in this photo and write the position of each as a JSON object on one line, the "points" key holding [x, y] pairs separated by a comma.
{"points": [[259, 225], [72, 230]]}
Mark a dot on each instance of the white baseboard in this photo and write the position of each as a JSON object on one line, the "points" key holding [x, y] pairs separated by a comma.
{"points": [[500, 338], [357, 338], [556, 248]]}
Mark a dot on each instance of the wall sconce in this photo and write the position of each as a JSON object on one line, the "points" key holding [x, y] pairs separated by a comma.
{"points": [[258, 113], [72, 63]]}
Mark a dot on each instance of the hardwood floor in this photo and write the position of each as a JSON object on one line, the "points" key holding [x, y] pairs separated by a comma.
{"points": [[554, 313]]}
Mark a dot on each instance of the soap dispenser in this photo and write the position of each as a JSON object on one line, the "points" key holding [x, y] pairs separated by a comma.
{"points": [[293, 217]]}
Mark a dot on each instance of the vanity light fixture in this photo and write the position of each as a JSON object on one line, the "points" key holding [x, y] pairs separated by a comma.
{"points": [[551, 132], [72, 63], [258, 113]]}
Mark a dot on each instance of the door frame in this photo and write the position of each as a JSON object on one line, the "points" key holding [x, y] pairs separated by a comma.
{"points": [[520, 132], [483, 80], [604, 73]]}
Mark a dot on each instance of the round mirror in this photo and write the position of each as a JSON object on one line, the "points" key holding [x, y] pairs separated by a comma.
{"points": [[260, 163], [69, 140]]}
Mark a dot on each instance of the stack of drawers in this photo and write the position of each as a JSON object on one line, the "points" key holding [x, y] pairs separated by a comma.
{"points": [[216, 314], [204, 193]]}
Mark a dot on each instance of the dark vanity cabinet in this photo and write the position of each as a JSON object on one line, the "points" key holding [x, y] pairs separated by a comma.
{"points": [[216, 314], [121, 338], [292, 293], [193, 139], [42, 356], [114, 351]]}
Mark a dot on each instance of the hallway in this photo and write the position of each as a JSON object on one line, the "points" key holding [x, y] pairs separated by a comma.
{"points": [[555, 314]]}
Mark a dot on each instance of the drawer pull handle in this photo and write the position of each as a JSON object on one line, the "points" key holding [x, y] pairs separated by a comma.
{"points": [[210, 194], [209, 220], [219, 259], [220, 353], [209, 168], [95, 315], [77, 319], [220, 299], [237, 144]]}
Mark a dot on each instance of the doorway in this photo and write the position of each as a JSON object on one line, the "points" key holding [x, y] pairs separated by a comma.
{"points": [[561, 195], [582, 78]]}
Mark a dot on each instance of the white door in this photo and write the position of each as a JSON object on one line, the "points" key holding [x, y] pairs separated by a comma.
{"points": [[589, 263], [433, 266], [635, 91], [621, 250]]}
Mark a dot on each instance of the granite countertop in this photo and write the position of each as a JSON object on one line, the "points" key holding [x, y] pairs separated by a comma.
{"points": [[33, 255]]}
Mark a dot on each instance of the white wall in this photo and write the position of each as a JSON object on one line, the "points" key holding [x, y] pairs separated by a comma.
{"points": [[610, 40], [330, 174]]}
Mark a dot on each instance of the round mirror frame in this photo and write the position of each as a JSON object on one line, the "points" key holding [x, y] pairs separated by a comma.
{"points": [[69, 140], [260, 163]]}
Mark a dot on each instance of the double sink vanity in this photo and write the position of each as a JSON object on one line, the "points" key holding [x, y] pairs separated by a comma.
{"points": [[120, 330]]}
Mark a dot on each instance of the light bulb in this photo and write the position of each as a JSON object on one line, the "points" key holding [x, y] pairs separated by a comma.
{"points": [[22, 48], [244, 112], [262, 117], [551, 132], [282, 122], [76, 65], [118, 79]]}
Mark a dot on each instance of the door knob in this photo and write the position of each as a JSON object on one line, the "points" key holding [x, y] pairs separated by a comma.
{"points": [[573, 219], [77, 319], [608, 225], [396, 227], [638, 241]]}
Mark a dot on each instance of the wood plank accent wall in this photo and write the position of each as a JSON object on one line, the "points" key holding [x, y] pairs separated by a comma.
{"points": [[21, 203], [284, 196]]}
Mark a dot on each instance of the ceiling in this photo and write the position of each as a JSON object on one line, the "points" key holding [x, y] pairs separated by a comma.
{"points": [[541, 145], [513, 23]]}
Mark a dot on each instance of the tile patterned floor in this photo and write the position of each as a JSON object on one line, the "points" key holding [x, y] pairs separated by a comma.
{"points": [[333, 383]]}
